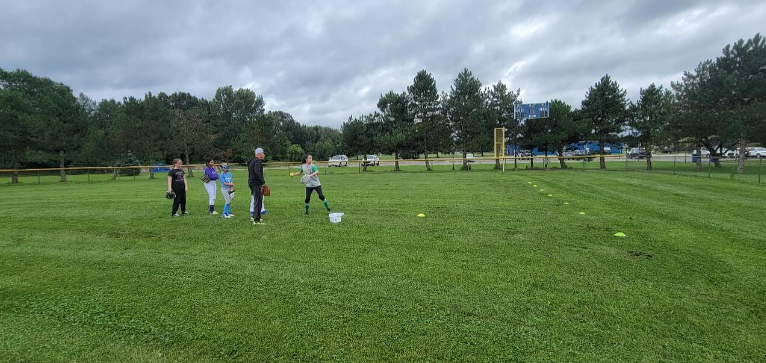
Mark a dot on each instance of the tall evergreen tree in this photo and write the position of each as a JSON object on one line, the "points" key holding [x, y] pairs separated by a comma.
{"points": [[742, 68], [354, 136], [698, 111], [649, 117], [567, 126], [55, 122], [231, 111], [605, 106], [424, 98], [466, 112], [15, 116], [397, 127]]}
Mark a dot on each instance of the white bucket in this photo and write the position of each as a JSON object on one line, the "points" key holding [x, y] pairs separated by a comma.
{"points": [[335, 217]]}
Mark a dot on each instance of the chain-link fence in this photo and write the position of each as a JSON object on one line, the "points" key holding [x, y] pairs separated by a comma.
{"points": [[706, 166], [673, 164], [680, 164], [85, 174]]}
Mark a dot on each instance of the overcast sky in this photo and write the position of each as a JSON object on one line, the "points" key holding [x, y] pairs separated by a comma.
{"points": [[324, 60]]}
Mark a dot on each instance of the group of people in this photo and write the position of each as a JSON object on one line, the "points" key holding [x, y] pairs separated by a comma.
{"points": [[178, 185]]}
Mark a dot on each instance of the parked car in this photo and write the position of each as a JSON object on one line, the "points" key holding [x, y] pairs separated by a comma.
{"points": [[756, 152], [469, 158], [525, 153], [338, 160], [580, 153], [705, 153], [637, 153], [733, 153], [371, 160], [607, 151]]}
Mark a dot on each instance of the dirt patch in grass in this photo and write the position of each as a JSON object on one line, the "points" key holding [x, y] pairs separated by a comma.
{"points": [[640, 255]]}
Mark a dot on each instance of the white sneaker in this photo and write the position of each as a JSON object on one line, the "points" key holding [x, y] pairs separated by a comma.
{"points": [[175, 215], [231, 215], [227, 216], [214, 213]]}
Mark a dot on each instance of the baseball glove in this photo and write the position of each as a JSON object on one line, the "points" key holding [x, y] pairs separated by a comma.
{"points": [[305, 179], [170, 194], [265, 190]]}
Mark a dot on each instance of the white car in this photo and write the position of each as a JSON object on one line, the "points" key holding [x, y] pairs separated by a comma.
{"points": [[637, 153], [705, 153], [469, 158], [371, 160], [756, 152], [338, 160], [733, 153]]}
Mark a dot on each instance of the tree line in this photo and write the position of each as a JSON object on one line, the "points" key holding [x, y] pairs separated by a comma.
{"points": [[45, 125], [720, 106]]}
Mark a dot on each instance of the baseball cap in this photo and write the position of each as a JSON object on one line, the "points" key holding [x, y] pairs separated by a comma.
{"points": [[258, 151]]}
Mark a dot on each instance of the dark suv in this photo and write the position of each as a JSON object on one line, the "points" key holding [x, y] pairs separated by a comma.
{"points": [[637, 153]]}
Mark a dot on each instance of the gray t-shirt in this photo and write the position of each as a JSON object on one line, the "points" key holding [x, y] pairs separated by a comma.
{"points": [[314, 180]]}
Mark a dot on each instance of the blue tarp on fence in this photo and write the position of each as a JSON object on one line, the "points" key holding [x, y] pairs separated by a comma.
{"points": [[160, 167]]}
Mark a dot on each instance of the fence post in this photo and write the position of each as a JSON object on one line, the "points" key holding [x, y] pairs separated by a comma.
{"points": [[38, 177], [674, 165], [504, 161], [626, 162], [760, 162], [88, 171], [583, 164], [709, 159]]}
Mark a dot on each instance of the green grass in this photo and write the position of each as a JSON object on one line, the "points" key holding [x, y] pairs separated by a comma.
{"points": [[497, 270], [681, 166]]}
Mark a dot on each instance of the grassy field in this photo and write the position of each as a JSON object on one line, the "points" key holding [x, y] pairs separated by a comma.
{"points": [[497, 270]]}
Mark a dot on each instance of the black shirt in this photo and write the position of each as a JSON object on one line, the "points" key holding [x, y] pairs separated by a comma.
{"points": [[177, 176], [255, 172]]}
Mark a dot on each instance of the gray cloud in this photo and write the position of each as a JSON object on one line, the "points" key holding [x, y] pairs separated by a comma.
{"points": [[323, 61]]}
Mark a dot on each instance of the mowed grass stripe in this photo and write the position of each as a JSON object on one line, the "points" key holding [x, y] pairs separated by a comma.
{"points": [[495, 271]]}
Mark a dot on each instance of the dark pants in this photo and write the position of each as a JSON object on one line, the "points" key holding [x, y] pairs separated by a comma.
{"points": [[309, 190], [180, 199], [255, 191]]}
